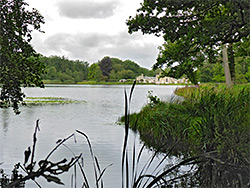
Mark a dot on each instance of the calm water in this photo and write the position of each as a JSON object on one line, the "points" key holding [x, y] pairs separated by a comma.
{"points": [[97, 117]]}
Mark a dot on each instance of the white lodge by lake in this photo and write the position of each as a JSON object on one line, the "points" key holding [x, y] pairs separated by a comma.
{"points": [[160, 80]]}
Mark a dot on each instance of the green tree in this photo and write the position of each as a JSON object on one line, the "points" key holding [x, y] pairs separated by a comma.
{"points": [[117, 67], [19, 63], [242, 60], [77, 70], [130, 65], [125, 74], [218, 74], [113, 75], [248, 74], [106, 66], [95, 72], [205, 73], [91, 74], [78, 76], [51, 73], [194, 28], [63, 77]]}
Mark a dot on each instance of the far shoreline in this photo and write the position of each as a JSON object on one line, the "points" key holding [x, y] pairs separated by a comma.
{"points": [[105, 83]]}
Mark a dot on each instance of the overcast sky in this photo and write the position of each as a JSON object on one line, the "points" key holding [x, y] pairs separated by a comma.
{"points": [[89, 30]]}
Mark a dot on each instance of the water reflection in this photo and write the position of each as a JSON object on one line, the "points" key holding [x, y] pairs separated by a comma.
{"points": [[5, 118], [97, 117]]}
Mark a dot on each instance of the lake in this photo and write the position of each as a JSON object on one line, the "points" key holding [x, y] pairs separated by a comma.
{"points": [[96, 117]]}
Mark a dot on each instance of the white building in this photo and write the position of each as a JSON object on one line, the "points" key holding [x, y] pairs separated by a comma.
{"points": [[160, 80]]}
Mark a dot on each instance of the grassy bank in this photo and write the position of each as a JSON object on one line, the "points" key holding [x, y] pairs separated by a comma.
{"points": [[186, 91], [210, 119]]}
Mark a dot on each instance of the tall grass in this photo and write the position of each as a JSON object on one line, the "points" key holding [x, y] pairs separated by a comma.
{"points": [[158, 177], [208, 120]]}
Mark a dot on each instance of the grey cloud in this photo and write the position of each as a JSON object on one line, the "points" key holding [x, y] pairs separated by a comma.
{"points": [[94, 46], [85, 9], [131, 47]]}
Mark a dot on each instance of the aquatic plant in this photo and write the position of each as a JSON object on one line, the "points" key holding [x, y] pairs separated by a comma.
{"points": [[50, 100]]}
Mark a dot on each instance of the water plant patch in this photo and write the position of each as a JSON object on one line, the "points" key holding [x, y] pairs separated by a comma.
{"points": [[50, 100]]}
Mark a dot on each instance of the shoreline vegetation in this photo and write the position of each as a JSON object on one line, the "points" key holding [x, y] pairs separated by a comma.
{"points": [[211, 119], [129, 82]]}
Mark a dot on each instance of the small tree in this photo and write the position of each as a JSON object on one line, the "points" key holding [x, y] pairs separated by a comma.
{"points": [[19, 63]]}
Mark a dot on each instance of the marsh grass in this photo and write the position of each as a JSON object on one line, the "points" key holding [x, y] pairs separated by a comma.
{"points": [[209, 120], [134, 177]]}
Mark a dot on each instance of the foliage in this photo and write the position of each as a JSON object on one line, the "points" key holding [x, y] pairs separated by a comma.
{"points": [[214, 72], [65, 70], [152, 100], [242, 52], [179, 51], [208, 120], [19, 63], [114, 69], [193, 30], [95, 72], [106, 66], [128, 70]]}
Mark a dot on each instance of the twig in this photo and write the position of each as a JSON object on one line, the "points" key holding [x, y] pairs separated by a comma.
{"points": [[58, 145], [34, 142]]}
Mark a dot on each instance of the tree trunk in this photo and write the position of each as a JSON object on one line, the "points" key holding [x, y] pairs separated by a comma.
{"points": [[231, 62], [226, 67]]}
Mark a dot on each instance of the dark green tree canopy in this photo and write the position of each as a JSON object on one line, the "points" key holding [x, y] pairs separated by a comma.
{"points": [[208, 21], [194, 27], [106, 66], [61, 69], [19, 63]]}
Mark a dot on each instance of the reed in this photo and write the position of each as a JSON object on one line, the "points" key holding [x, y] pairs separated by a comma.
{"points": [[158, 177], [208, 120], [35, 169]]}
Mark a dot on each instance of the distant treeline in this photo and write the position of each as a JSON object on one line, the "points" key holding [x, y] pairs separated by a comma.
{"points": [[63, 70]]}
